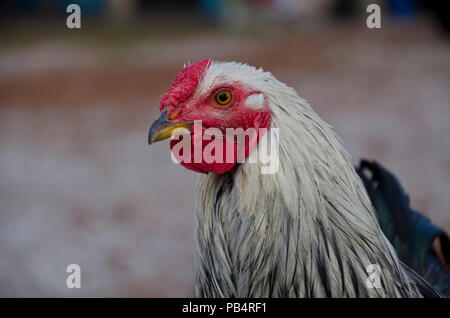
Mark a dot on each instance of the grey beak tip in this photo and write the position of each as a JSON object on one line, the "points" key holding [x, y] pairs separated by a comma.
{"points": [[149, 139], [162, 119]]}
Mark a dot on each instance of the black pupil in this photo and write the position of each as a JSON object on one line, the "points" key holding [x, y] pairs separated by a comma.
{"points": [[223, 97]]}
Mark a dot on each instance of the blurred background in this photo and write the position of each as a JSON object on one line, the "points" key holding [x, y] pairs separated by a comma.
{"points": [[78, 182]]}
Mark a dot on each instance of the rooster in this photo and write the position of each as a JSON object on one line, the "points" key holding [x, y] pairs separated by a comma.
{"points": [[308, 230]]}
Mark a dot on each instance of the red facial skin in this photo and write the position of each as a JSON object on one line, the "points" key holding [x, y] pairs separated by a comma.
{"points": [[181, 106]]}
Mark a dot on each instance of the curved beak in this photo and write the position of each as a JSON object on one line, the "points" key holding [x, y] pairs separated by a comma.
{"points": [[162, 128]]}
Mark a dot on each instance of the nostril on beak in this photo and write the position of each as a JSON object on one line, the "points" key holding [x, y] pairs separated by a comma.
{"points": [[174, 114]]}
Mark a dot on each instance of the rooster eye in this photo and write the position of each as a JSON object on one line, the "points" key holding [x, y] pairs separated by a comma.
{"points": [[223, 97]]}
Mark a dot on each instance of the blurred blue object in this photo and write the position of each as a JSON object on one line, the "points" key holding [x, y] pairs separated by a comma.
{"points": [[402, 8], [211, 9], [88, 7]]}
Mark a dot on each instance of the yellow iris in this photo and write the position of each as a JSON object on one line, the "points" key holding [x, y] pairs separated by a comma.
{"points": [[223, 97]]}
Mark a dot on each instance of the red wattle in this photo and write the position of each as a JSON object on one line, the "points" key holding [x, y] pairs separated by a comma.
{"points": [[262, 120]]}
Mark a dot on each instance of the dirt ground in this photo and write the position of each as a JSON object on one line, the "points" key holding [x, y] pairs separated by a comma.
{"points": [[79, 184]]}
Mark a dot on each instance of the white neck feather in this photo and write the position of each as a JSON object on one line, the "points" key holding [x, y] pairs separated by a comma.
{"points": [[308, 230]]}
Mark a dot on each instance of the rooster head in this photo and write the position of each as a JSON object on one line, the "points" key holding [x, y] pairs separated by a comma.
{"points": [[212, 96]]}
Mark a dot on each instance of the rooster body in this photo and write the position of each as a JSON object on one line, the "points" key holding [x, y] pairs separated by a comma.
{"points": [[308, 230]]}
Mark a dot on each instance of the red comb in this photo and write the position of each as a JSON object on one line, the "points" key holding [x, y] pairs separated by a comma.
{"points": [[184, 84]]}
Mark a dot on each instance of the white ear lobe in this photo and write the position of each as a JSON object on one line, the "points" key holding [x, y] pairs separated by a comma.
{"points": [[255, 101]]}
